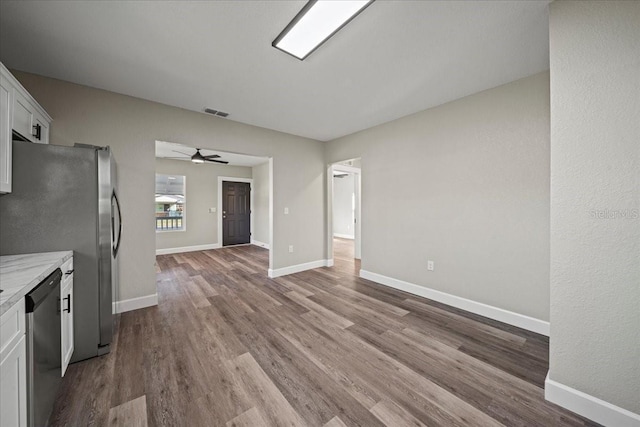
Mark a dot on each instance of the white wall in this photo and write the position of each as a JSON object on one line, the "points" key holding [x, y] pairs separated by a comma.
{"points": [[201, 194], [131, 126], [343, 190], [260, 211], [595, 179], [465, 184]]}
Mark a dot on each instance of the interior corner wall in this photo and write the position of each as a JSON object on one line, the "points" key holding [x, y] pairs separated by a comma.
{"points": [[201, 194], [260, 232], [132, 125], [465, 184], [343, 190], [595, 200]]}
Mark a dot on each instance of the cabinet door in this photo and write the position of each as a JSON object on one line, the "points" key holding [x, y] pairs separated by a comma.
{"points": [[13, 386], [66, 321], [6, 99], [22, 116]]}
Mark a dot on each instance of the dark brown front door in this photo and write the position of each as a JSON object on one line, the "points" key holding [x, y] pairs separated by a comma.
{"points": [[236, 213]]}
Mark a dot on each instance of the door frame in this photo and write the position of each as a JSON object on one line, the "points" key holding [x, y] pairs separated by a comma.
{"points": [[357, 172], [234, 179]]}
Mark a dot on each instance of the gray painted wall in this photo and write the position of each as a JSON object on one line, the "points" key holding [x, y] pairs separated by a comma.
{"points": [[595, 178], [131, 126], [261, 203], [465, 184], [343, 189], [201, 194]]}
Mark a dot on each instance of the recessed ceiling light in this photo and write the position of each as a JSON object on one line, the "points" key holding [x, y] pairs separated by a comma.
{"points": [[316, 23]]}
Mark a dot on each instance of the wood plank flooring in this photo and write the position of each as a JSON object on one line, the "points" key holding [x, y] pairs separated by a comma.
{"points": [[227, 346]]}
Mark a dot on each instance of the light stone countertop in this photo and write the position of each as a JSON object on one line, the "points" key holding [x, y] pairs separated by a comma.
{"points": [[19, 274]]}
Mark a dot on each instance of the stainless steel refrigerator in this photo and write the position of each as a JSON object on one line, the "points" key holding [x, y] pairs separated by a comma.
{"points": [[65, 198]]}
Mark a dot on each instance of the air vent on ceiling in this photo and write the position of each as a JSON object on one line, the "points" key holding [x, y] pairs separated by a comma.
{"points": [[216, 112]]}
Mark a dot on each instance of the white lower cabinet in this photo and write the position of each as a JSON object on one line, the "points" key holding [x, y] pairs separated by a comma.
{"points": [[13, 368], [66, 318]]}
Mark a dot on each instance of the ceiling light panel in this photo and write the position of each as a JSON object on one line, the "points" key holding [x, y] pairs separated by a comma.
{"points": [[315, 24]]}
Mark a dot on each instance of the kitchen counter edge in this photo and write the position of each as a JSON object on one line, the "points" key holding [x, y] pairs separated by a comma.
{"points": [[28, 270]]}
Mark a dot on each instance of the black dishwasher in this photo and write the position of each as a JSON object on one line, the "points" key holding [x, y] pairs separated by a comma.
{"points": [[44, 354]]}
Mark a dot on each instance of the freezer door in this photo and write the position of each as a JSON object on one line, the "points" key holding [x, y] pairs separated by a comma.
{"points": [[107, 256], [116, 233]]}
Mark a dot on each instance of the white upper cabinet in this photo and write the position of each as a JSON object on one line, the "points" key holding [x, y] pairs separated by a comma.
{"points": [[22, 115], [19, 113], [6, 99]]}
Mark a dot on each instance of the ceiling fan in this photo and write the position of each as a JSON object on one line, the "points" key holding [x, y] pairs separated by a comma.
{"points": [[199, 158]]}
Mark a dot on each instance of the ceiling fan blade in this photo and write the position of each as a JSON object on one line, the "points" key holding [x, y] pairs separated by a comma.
{"points": [[212, 156], [217, 161], [175, 151], [175, 158]]}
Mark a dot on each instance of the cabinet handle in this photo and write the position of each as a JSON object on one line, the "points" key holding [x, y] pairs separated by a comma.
{"points": [[68, 299], [69, 272], [37, 131]]}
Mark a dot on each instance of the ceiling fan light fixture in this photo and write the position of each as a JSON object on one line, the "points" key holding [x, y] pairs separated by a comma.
{"points": [[315, 24], [198, 157]]}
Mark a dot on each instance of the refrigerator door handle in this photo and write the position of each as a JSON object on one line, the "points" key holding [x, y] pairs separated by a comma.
{"points": [[116, 244]]}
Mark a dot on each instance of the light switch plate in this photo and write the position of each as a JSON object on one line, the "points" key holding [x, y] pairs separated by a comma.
{"points": [[286, 211], [212, 210]]}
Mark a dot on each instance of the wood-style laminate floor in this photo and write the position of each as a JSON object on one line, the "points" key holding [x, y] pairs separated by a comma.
{"points": [[227, 346]]}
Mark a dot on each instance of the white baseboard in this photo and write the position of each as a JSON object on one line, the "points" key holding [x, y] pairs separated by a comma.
{"points": [[495, 313], [135, 303], [259, 243], [344, 236], [588, 406], [168, 251], [299, 267]]}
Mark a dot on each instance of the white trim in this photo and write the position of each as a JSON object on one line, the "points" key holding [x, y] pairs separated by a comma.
{"points": [[299, 267], [271, 236], [495, 313], [344, 236], [182, 249], [261, 244], [589, 406], [233, 179], [134, 303]]}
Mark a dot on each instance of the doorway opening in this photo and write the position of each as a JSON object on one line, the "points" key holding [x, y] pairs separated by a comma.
{"points": [[344, 225], [200, 227]]}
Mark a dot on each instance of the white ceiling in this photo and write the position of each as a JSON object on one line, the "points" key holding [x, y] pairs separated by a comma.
{"points": [[394, 59], [174, 151]]}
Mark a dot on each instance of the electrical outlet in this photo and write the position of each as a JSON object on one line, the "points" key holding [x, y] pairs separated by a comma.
{"points": [[430, 265], [290, 249], [286, 211]]}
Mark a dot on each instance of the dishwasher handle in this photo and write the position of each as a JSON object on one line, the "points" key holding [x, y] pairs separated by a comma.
{"points": [[40, 292]]}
